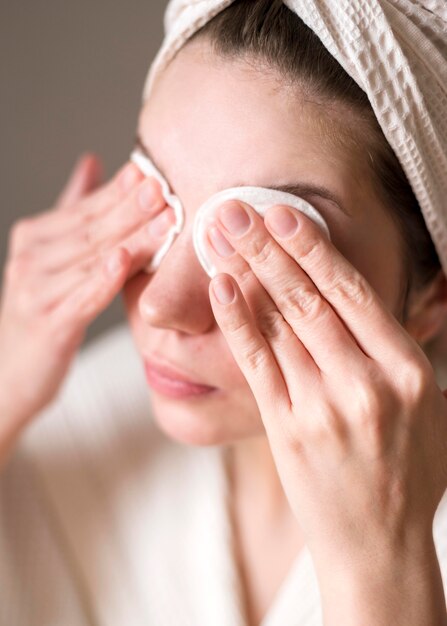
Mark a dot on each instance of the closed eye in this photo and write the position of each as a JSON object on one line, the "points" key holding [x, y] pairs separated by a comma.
{"points": [[301, 189]]}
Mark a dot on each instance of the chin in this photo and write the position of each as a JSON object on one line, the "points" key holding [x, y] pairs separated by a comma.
{"points": [[203, 426]]}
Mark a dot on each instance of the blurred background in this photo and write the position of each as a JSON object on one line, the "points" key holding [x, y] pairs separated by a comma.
{"points": [[71, 75]]}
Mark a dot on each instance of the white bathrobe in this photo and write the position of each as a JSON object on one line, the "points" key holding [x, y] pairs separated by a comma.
{"points": [[106, 521]]}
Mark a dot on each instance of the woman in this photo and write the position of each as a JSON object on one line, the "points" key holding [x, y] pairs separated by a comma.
{"points": [[295, 461]]}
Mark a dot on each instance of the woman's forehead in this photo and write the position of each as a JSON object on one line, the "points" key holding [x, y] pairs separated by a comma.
{"points": [[212, 125]]}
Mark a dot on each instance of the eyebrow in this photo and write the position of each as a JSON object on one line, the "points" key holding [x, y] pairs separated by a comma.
{"points": [[299, 188]]}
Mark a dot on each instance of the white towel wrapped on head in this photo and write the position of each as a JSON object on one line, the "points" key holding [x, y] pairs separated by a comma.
{"points": [[396, 51]]}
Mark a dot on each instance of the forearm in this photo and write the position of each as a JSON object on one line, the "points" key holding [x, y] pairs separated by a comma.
{"points": [[10, 427], [393, 589]]}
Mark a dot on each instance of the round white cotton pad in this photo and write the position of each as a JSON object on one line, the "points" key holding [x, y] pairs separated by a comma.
{"points": [[149, 169], [260, 198]]}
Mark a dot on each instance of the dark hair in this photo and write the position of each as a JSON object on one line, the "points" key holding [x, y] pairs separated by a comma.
{"points": [[267, 31]]}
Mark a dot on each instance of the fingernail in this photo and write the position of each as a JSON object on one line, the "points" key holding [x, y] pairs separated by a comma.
{"points": [[129, 177], [220, 245], [235, 218], [224, 291], [160, 225], [282, 221]]}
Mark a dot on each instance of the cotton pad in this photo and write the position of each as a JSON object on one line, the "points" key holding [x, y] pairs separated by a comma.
{"points": [[260, 198], [148, 168]]}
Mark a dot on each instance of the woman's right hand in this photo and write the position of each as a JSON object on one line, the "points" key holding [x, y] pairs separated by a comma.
{"points": [[55, 281]]}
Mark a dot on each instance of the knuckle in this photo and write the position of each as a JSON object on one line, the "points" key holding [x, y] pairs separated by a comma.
{"points": [[415, 379], [244, 275], [255, 356], [356, 290], [18, 267], [240, 328], [253, 352], [273, 326], [310, 248], [260, 251], [303, 301], [20, 233]]}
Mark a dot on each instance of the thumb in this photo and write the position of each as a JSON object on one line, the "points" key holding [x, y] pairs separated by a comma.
{"points": [[85, 176]]}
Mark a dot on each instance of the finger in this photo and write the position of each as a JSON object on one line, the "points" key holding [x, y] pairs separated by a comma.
{"points": [[351, 296], [140, 247], [296, 364], [250, 349], [101, 234], [102, 198], [143, 244], [142, 204], [309, 315], [85, 177], [47, 291], [114, 191], [92, 296], [45, 226]]}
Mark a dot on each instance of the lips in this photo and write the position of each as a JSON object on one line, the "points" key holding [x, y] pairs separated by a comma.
{"points": [[173, 373]]}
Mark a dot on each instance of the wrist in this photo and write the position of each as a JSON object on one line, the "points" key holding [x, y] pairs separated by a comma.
{"points": [[398, 586]]}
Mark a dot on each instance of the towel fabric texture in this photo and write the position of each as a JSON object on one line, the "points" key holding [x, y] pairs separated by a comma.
{"points": [[396, 51]]}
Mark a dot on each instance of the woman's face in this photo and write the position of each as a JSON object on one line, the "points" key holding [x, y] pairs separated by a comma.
{"points": [[211, 124]]}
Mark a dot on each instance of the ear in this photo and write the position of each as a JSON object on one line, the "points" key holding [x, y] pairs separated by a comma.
{"points": [[427, 311]]}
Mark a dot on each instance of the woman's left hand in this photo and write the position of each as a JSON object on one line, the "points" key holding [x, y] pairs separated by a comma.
{"points": [[355, 420]]}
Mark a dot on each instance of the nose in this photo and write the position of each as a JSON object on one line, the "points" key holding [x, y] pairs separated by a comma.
{"points": [[176, 296]]}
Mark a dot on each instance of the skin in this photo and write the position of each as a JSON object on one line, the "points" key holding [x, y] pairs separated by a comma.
{"points": [[170, 312], [208, 129], [57, 280]]}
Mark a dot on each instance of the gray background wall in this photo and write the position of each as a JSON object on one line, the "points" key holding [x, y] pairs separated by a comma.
{"points": [[71, 75]]}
